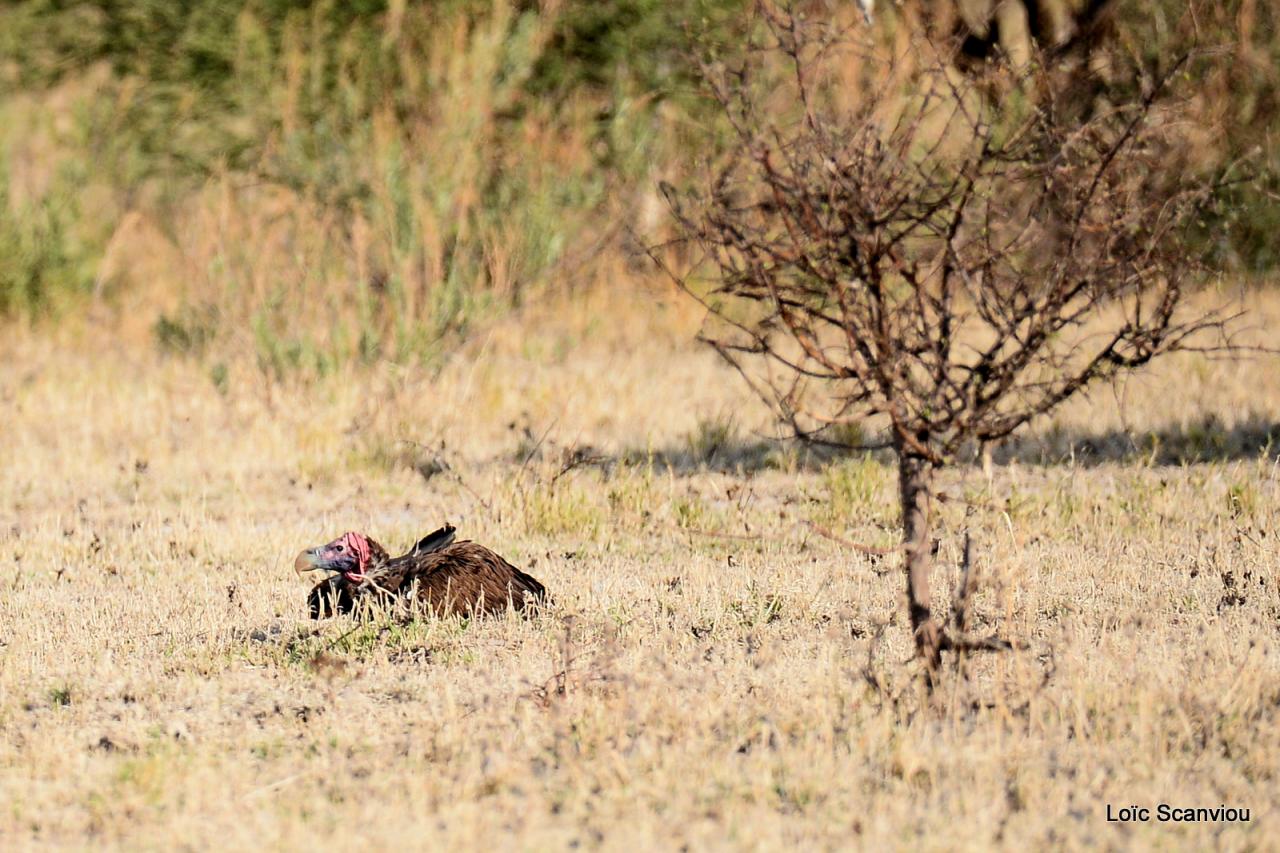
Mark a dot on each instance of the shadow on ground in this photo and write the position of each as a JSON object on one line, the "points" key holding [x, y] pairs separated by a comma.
{"points": [[738, 456], [1205, 440]]}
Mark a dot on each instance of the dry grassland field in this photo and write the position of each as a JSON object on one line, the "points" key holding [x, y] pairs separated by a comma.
{"points": [[713, 671]]}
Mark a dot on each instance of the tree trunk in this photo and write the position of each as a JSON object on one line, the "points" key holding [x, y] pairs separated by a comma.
{"points": [[915, 480]]}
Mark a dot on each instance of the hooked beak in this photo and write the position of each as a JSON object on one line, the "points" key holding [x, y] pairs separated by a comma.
{"points": [[309, 561]]}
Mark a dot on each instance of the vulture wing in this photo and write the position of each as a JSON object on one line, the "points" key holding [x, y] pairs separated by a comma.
{"points": [[466, 578], [329, 597], [441, 539]]}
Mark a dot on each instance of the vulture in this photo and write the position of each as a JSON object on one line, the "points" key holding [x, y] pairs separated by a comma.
{"points": [[447, 577]]}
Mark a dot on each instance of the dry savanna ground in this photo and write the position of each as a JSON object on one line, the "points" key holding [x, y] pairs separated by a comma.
{"points": [[713, 672]]}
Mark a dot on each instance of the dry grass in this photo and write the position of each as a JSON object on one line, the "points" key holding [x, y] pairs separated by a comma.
{"points": [[712, 674]]}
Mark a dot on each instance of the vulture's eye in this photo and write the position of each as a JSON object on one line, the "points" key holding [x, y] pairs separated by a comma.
{"points": [[338, 548]]}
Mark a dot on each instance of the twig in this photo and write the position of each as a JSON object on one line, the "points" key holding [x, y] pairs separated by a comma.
{"points": [[869, 550], [714, 534], [274, 786], [993, 643]]}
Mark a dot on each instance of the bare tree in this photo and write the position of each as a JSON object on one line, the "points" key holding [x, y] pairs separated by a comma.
{"points": [[915, 253]]}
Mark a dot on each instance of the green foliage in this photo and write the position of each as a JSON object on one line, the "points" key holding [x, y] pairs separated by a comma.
{"points": [[858, 489], [562, 509], [185, 333], [640, 44], [440, 160], [220, 377], [43, 259], [1233, 69], [426, 164]]}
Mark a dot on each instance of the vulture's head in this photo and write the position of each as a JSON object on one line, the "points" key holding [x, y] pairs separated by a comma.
{"points": [[350, 555]]}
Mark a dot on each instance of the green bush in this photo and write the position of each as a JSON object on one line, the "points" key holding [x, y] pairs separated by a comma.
{"points": [[42, 263], [360, 180], [427, 164]]}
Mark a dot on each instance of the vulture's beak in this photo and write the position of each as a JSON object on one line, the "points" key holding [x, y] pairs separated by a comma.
{"points": [[332, 559], [306, 562], [309, 561]]}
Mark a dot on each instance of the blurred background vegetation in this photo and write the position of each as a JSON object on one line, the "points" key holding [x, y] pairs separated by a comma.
{"points": [[318, 183]]}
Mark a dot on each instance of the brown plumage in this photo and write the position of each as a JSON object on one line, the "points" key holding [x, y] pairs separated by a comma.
{"points": [[444, 576]]}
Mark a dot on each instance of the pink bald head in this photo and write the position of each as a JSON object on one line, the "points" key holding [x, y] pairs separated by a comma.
{"points": [[357, 544], [350, 555]]}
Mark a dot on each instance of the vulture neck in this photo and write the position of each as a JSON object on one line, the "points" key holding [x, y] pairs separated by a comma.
{"points": [[375, 570], [377, 556], [381, 570]]}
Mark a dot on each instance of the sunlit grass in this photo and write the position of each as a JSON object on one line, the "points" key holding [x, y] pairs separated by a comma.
{"points": [[712, 671]]}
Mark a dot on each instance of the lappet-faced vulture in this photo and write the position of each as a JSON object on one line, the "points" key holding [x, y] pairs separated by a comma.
{"points": [[447, 577]]}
